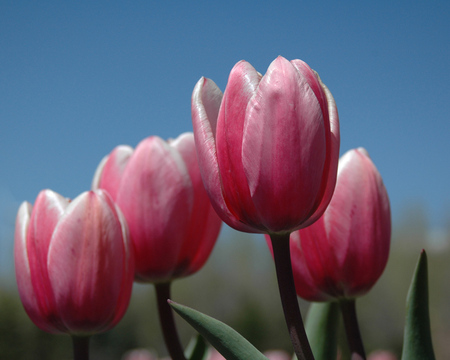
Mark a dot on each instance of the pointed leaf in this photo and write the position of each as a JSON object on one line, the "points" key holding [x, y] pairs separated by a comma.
{"points": [[417, 344], [322, 327], [197, 349], [227, 341]]}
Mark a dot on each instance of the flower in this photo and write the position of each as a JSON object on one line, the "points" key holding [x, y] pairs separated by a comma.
{"points": [[268, 147], [158, 187], [344, 253], [74, 264]]}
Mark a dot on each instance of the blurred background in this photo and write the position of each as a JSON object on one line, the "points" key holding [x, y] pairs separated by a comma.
{"points": [[78, 79]]}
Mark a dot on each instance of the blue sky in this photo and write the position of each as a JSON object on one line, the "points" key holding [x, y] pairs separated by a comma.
{"points": [[79, 78]]}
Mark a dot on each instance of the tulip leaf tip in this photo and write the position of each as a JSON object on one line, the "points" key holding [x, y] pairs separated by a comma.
{"points": [[417, 342]]}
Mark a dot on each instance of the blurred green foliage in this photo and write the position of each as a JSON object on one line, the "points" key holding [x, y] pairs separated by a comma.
{"points": [[238, 286]]}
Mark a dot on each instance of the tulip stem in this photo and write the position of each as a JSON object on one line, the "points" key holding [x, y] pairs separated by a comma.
{"points": [[167, 321], [288, 295], [348, 309], [80, 347]]}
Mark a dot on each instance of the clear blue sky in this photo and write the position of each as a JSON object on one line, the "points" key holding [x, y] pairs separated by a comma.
{"points": [[79, 78]]}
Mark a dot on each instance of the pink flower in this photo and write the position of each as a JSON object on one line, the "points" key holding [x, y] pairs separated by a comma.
{"points": [[139, 354], [74, 264], [344, 253], [382, 355], [268, 147], [158, 187]]}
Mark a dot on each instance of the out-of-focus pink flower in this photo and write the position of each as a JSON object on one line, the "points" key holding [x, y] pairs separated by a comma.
{"points": [[271, 355], [277, 355], [158, 187], [382, 355], [344, 253], [268, 147], [139, 354], [74, 262]]}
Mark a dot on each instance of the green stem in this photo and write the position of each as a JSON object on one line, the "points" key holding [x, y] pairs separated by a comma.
{"points": [[80, 347], [294, 321], [354, 339], [167, 321]]}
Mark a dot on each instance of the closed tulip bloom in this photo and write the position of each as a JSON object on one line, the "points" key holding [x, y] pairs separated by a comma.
{"points": [[158, 187], [268, 147], [74, 262], [343, 254]]}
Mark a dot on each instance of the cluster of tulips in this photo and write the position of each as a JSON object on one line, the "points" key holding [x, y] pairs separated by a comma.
{"points": [[263, 158]]}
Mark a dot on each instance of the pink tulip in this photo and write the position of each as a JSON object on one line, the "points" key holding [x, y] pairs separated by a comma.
{"points": [[344, 253], [382, 355], [74, 264], [139, 354], [277, 355], [268, 147], [158, 187]]}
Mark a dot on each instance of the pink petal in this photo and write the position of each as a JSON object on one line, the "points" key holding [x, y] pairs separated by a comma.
{"points": [[86, 264], [242, 84], [206, 100], [109, 172], [204, 223], [284, 147], [361, 220], [23, 273], [156, 198], [330, 168], [47, 211]]}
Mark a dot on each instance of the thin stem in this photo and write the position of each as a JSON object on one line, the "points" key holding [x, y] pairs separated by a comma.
{"points": [[80, 347], [167, 321], [354, 339], [282, 257]]}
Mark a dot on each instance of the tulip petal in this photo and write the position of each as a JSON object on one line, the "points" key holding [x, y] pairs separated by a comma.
{"points": [[206, 100], [204, 223], [47, 211], [242, 84], [361, 220], [284, 142], [155, 195], [109, 172], [86, 259], [330, 169], [30, 301]]}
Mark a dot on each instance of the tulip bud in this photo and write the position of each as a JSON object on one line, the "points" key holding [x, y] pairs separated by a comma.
{"points": [[268, 147], [74, 262], [158, 187], [344, 253]]}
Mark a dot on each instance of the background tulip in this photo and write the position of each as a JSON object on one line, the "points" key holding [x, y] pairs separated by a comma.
{"points": [[344, 253], [268, 148], [158, 186], [172, 224], [74, 264]]}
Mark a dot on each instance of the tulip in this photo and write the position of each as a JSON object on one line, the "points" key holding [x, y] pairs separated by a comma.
{"points": [[344, 253], [268, 147], [74, 264], [173, 226], [268, 151], [158, 187]]}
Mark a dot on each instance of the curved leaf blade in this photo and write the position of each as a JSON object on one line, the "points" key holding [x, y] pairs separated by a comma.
{"points": [[226, 340]]}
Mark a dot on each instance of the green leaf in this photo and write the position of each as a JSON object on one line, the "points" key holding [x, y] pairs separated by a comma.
{"points": [[197, 349], [227, 341], [322, 327], [417, 344]]}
